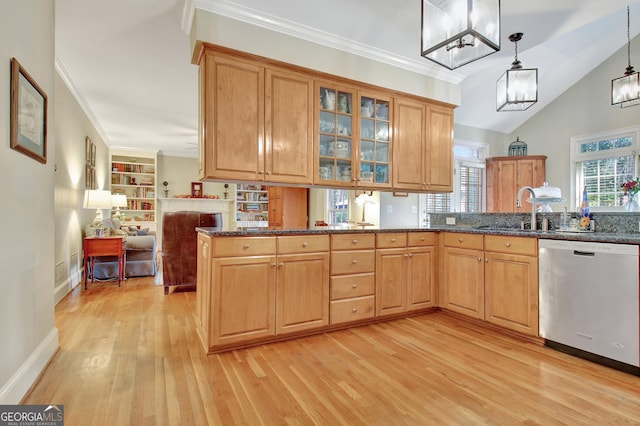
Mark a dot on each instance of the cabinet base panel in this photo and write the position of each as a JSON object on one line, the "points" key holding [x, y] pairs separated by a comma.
{"points": [[234, 346]]}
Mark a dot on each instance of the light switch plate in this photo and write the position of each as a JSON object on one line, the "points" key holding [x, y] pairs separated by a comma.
{"points": [[414, 209], [451, 221], [389, 209]]}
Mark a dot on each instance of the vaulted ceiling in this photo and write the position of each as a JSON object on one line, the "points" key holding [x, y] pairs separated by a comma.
{"points": [[129, 62]]}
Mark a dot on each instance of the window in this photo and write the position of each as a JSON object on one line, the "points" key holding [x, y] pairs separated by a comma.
{"points": [[602, 163], [338, 206], [468, 186]]}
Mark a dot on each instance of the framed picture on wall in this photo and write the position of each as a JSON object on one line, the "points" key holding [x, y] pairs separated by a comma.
{"points": [[196, 189], [28, 114]]}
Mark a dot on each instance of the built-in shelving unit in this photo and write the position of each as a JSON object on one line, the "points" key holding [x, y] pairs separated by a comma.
{"points": [[252, 206], [134, 174]]}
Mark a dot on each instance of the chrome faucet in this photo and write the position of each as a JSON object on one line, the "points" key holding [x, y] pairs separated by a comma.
{"points": [[533, 204]]}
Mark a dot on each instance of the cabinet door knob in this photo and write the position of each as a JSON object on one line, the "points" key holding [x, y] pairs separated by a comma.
{"points": [[354, 285], [486, 260], [355, 241], [305, 244], [410, 254], [268, 172], [479, 259], [406, 255], [281, 265], [246, 246], [260, 172], [273, 265], [354, 310], [354, 261]]}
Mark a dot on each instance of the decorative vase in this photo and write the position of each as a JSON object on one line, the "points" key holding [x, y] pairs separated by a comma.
{"points": [[632, 204]]}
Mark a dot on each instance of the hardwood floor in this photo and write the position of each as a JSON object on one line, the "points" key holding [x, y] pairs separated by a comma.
{"points": [[130, 355]]}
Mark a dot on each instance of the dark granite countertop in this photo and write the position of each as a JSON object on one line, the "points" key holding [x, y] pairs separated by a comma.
{"points": [[604, 237]]}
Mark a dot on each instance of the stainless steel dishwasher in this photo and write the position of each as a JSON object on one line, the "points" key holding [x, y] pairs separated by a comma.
{"points": [[589, 298]]}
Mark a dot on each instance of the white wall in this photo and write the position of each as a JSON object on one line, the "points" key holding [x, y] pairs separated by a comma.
{"points": [[71, 129], [583, 109], [29, 335], [398, 211]]}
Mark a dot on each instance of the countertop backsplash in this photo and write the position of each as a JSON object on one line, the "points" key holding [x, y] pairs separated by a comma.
{"points": [[613, 222]]}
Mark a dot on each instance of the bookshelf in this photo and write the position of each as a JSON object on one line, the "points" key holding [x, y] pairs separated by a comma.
{"points": [[252, 206], [134, 174]]}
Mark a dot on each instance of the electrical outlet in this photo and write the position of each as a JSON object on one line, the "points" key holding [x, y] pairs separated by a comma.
{"points": [[389, 209], [451, 221]]}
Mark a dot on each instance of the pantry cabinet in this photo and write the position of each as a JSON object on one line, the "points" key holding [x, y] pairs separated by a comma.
{"points": [[505, 177]]}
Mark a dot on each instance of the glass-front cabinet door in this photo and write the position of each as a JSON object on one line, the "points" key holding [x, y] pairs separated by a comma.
{"points": [[375, 141], [336, 135]]}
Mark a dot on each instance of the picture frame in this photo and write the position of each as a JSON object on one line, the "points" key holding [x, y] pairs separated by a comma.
{"points": [[196, 190], [28, 114], [87, 148], [93, 154]]}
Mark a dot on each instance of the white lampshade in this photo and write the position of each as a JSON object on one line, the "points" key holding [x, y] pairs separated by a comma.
{"points": [[456, 32], [98, 199], [362, 200], [117, 201]]}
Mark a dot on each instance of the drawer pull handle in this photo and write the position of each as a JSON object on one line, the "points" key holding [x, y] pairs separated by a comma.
{"points": [[422, 239], [393, 240], [354, 261], [459, 240], [305, 244], [246, 246], [355, 241], [354, 310], [508, 244], [354, 285], [406, 255]]}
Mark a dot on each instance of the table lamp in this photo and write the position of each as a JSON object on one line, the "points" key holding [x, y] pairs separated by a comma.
{"points": [[98, 199], [117, 201]]}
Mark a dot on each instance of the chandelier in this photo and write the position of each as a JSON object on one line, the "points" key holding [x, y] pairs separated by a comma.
{"points": [[517, 88], [456, 32], [625, 90]]}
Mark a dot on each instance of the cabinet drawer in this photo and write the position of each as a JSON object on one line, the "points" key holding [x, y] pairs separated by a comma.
{"points": [[353, 241], [353, 262], [354, 309], [303, 244], [391, 240], [512, 245], [243, 246], [470, 241], [419, 239], [345, 286]]}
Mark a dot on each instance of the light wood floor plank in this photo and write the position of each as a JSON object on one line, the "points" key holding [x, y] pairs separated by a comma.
{"points": [[131, 356]]}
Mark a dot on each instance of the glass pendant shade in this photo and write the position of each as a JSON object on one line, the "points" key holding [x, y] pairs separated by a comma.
{"points": [[456, 32], [625, 90], [517, 88]]}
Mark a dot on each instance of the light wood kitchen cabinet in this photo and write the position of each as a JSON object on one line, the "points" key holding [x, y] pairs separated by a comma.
{"points": [[505, 177], [256, 122], [203, 278], [302, 283], [405, 272], [423, 146], [352, 277], [288, 207], [511, 283], [493, 278], [463, 273]]}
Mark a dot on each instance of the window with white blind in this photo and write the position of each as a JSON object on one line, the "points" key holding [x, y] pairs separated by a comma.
{"points": [[337, 206], [602, 163], [468, 185]]}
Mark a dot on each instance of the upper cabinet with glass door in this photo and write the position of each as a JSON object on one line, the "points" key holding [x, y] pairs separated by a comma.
{"points": [[375, 140], [335, 136]]}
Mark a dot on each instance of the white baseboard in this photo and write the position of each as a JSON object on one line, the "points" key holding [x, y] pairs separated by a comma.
{"points": [[24, 378], [63, 289]]}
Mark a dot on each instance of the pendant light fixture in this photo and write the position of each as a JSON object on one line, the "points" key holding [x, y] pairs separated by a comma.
{"points": [[517, 88], [456, 32], [625, 90]]}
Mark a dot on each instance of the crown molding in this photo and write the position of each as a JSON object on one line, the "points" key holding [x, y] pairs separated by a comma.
{"points": [[274, 23], [67, 78]]}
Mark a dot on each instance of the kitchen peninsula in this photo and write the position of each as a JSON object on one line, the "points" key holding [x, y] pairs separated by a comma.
{"points": [[261, 286]]}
